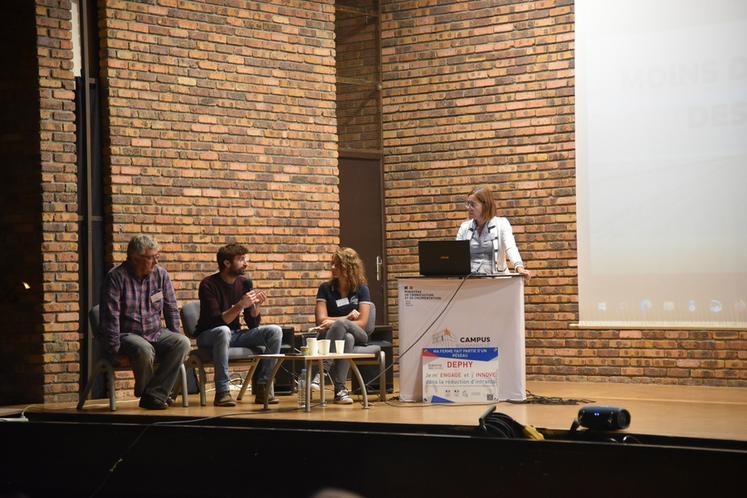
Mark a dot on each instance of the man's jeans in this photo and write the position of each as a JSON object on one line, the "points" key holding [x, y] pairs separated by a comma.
{"points": [[221, 338], [168, 352]]}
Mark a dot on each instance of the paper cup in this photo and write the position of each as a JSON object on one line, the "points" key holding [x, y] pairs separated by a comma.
{"points": [[323, 346], [313, 346], [340, 346]]}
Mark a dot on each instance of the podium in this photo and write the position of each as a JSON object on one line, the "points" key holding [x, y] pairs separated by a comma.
{"points": [[484, 312]]}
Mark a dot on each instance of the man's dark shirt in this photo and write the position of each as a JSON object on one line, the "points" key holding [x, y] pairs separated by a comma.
{"points": [[216, 296]]}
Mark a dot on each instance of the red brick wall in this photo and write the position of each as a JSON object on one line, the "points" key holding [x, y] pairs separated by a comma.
{"points": [[221, 123], [483, 93], [46, 202]]}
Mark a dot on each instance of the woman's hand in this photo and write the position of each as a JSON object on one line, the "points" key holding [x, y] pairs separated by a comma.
{"points": [[524, 271], [327, 323], [353, 315]]}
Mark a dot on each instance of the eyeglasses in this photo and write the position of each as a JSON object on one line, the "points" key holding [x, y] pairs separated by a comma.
{"points": [[152, 257], [470, 204]]}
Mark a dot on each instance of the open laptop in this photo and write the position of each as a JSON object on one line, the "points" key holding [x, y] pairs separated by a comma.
{"points": [[444, 258]]}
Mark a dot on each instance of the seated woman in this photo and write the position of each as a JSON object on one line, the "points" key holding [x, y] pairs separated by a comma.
{"points": [[490, 237], [342, 308]]}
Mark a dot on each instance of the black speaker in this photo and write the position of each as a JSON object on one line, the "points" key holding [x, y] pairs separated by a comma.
{"points": [[603, 418]]}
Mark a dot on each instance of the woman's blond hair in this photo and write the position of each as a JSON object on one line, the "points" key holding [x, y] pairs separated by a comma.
{"points": [[351, 267], [485, 197]]}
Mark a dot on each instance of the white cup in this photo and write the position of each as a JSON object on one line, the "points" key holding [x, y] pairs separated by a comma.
{"points": [[340, 346], [324, 346], [313, 345]]}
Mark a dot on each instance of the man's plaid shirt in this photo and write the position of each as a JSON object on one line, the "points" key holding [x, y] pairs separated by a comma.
{"points": [[130, 305]]}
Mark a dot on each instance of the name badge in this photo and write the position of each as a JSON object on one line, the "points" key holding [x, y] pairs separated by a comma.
{"points": [[342, 302], [158, 296]]}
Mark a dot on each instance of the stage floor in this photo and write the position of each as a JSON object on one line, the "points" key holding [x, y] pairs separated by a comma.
{"points": [[658, 410]]}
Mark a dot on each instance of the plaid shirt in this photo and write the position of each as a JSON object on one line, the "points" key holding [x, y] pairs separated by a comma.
{"points": [[131, 305]]}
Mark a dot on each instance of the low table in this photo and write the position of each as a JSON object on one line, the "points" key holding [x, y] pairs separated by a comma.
{"points": [[309, 362]]}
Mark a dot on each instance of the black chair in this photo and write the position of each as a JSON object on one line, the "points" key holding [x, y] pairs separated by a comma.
{"points": [[380, 344], [108, 365]]}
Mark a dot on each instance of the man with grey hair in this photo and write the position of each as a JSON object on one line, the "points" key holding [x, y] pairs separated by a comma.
{"points": [[134, 295]]}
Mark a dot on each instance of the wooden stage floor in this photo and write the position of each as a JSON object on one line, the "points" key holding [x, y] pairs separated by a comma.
{"points": [[712, 413]]}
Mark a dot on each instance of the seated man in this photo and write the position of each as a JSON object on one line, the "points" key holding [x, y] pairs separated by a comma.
{"points": [[134, 295], [223, 297]]}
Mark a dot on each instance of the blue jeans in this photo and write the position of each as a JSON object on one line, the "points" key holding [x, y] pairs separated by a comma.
{"points": [[221, 338]]}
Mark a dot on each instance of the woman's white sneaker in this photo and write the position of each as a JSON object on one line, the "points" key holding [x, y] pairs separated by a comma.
{"points": [[343, 398]]}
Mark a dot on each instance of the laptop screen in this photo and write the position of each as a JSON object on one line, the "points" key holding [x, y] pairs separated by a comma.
{"points": [[444, 257]]}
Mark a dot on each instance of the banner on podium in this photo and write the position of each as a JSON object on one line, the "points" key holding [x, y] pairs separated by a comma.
{"points": [[460, 375]]}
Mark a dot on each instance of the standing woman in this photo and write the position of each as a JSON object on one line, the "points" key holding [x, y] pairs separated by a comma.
{"points": [[490, 237], [342, 308]]}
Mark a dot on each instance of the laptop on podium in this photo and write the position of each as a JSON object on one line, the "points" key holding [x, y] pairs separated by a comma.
{"points": [[444, 258]]}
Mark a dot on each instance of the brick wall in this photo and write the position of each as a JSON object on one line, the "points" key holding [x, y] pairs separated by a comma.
{"points": [[221, 123], [59, 209], [221, 126], [483, 93]]}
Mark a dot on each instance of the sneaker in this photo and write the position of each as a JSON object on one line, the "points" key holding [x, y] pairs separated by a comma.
{"points": [[315, 384], [224, 399], [343, 398]]}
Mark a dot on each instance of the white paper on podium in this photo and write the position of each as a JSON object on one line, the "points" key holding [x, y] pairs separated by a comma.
{"points": [[486, 312]]}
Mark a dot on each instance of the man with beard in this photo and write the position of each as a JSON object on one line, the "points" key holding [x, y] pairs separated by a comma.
{"points": [[224, 296]]}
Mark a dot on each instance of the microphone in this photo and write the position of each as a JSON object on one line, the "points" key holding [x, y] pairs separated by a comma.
{"points": [[494, 258], [247, 288]]}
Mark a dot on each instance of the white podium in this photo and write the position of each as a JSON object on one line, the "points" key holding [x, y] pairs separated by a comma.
{"points": [[485, 312]]}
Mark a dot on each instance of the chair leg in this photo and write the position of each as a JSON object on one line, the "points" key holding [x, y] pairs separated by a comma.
{"points": [[247, 379], [110, 386], [185, 390], [201, 381], [382, 376]]}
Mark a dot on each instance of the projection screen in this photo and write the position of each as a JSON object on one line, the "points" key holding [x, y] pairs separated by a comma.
{"points": [[661, 144]]}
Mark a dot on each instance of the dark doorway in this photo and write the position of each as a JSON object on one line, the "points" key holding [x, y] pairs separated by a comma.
{"points": [[361, 225]]}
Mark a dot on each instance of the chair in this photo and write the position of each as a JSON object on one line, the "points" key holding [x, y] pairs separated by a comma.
{"points": [[378, 344], [109, 365], [200, 357]]}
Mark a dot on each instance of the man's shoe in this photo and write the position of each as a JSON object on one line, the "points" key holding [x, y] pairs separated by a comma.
{"points": [[259, 395], [170, 401], [343, 397], [224, 399], [152, 403]]}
